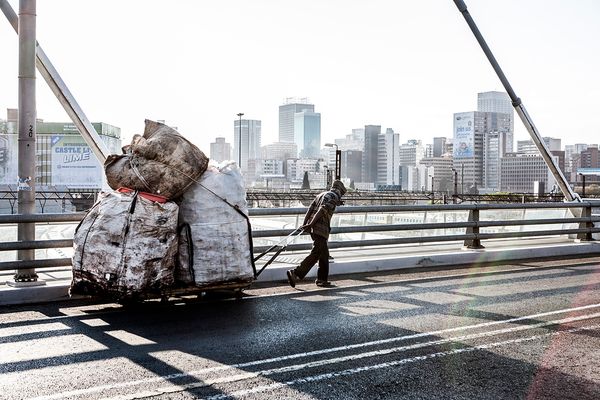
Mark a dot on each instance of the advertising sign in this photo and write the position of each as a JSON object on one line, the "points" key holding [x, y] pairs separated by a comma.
{"points": [[9, 160], [73, 163], [464, 135]]}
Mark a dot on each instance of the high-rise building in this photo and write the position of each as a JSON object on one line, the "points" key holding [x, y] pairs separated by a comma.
{"points": [[307, 133], [411, 153], [493, 150], [499, 102], [352, 165], [470, 129], [286, 117], [220, 150], [388, 158], [250, 141], [369, 171], [439, 146]]}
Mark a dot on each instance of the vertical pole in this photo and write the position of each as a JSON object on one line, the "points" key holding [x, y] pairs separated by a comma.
{"points": [[338, 164], [240, 141], [462, 178], [473, 243], [27, 133], [582, 185]]}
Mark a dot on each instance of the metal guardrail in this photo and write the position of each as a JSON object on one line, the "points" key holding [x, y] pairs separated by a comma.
{"points": [[471, 237]]}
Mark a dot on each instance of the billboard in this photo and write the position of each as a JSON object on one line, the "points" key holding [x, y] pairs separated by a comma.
{"points": [[9, 165], [464, 135], [73, 163]]}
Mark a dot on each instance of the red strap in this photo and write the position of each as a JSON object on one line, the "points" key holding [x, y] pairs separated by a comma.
{"points": [[148, 196]]}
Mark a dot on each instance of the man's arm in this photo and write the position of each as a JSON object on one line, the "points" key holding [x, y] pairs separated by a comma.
{"points": [[308, 226]]}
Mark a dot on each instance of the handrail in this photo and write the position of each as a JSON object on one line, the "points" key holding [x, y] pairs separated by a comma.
{"points": [[471, 235]]}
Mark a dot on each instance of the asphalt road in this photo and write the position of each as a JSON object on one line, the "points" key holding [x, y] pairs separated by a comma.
{"points": [[520, 331]]}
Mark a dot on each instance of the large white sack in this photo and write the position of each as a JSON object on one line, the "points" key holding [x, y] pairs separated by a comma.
{"points": [[125, 247], [220, 235]]}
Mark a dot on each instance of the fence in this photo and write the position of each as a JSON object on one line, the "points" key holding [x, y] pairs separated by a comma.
{"points": [[363, 226]]}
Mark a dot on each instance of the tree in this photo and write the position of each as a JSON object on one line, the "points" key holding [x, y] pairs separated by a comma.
{"points": [[305, 182]]}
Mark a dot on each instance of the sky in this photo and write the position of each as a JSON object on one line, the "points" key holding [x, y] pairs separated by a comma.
{"points": [[405, 65]]}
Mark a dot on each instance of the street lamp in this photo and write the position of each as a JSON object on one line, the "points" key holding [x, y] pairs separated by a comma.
{"points": [[338, 160], [455, 181], [582, 184], [240, 141]]}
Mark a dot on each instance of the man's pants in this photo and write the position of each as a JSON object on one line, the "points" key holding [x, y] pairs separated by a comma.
{"points": [[320, 253]]}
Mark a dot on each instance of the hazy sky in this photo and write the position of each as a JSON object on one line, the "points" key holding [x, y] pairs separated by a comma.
{"points": [[406, 65]]}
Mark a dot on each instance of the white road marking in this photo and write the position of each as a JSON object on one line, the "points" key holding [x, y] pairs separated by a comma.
{"points": [[338, 360], [353, 371], [326, 351]]}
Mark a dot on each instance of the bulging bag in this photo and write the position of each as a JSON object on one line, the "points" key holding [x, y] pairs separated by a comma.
{"points": [[161, 162], [219, 234], [125, 247]]}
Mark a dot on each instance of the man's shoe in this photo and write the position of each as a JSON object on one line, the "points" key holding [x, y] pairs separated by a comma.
{"points": [[321, 283], [292, 278]]}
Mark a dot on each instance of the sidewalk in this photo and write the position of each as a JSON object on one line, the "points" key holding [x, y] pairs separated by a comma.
{"points": [[56, 281]]}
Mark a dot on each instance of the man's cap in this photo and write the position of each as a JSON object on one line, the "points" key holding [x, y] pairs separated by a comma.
{"points": [[339, 185]]}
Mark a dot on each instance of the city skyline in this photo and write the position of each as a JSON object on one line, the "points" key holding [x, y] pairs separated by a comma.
{"points": [[409, 67]]}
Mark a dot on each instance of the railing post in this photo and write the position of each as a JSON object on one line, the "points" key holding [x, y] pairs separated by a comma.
{"points": [[473, 243], [586, 212]]}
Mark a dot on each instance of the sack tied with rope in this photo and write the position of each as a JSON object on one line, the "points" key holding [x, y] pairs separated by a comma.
{"points": [[160, 162]]}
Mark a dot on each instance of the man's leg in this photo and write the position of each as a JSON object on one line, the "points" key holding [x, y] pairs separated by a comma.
{"points": [[310, 260], [323, 271]]}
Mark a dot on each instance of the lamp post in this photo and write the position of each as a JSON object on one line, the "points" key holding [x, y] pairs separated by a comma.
{"points": [[455, 184], [582, 184], [240, 141], [338, 160], [432, 191]]}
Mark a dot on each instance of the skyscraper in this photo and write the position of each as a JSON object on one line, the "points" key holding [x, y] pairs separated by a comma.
{"points": [[286, 117], [307, 133], [388, 158], [439, 146], [369, 172], [499, 102], [250, 143]]}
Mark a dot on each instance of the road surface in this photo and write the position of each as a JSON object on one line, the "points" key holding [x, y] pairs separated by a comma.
{"points": [[519, 331]]}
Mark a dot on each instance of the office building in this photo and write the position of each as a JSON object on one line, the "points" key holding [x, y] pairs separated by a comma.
{"points": [[307, 133], [250, 142], [411, 153], [388, 158], [220, 150], [369, 171], [279, 151], [493, 150], [354, 141], [286, 117], [519, 172], [63, 157], [440, 169], [499, 102], [529, 147], [352, 165], [439, 146], [469, 129]]}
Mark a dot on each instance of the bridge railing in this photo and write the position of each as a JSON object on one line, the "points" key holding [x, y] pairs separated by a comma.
{"points": [[352, 226]]}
